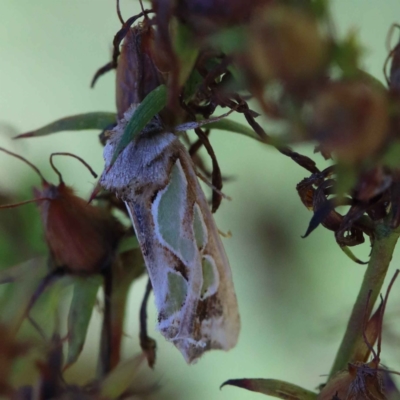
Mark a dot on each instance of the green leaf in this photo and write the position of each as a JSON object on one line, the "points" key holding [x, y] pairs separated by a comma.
{"points": [[233, 126], [391, 158], [152, 104], [186, 51], [119, 380], [346, 178], [346, 55], [83, 301], [94, 120], [15, 301], [127, 243], [230, 40], [273, 387]]}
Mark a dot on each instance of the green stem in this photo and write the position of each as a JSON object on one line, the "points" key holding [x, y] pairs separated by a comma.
{"points": [[378, 265]]}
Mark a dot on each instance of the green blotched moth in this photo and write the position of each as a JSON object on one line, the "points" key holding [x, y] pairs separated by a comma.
{"points": [[184, 255]]}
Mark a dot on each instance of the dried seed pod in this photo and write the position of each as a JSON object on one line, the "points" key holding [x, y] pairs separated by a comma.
{"points": [[285, 43], [351, 120], [81, 238], [137, 74]]}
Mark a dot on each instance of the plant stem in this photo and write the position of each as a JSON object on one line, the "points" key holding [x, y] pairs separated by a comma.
{"points": [[381, 255]]}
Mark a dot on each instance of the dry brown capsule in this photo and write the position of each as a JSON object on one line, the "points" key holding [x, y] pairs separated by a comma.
{"points": [[81, 238], [350, 119], [285, 43]]}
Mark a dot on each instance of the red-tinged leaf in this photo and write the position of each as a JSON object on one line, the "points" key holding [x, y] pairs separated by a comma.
{"points": [[273, 387], [126, 269], [83, 302], [120, 379], [94, 120]]}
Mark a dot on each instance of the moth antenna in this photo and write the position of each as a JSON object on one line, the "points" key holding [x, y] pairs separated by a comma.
{"points": [[141, 6], [74, 156], [390, 50], [384, 302], [21, 203], [209, 184], [119, 13], [390, 35], [370, 347], [34, 167]]}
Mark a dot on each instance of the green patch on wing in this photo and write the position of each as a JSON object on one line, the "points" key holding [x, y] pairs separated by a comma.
{"points": [[171, 208], [210, 277], [273, 387], [177, 291], [199, 228], [152, 104], [94, 120], [83, 301]]}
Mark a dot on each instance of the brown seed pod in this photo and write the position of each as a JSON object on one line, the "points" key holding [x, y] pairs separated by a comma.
{"points": [[81, 238], [137, 73], [285, 43], [350, 119]]}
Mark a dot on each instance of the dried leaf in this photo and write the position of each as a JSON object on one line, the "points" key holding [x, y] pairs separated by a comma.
{"points": [[273, 387], [83, 301], [351, 255], [94, 120]]}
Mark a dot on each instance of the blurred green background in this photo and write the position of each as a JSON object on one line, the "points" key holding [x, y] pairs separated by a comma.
{"points": [[295, 294]]}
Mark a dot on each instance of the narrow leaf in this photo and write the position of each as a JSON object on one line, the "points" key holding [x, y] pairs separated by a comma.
{"points": [[152, 104], [233, 126], [83, 301], [128, 266], [351, 255], [198, 124], [15, 301], [120, 379], [273, 387], [319, 216], [20, 271], [94, 120]]}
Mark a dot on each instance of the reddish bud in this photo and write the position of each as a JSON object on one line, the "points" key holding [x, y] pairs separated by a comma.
{"points": [[137, 74], [81, 238]]}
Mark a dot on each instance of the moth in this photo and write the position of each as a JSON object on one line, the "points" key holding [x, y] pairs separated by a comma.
{"points": [[184, 255]]}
